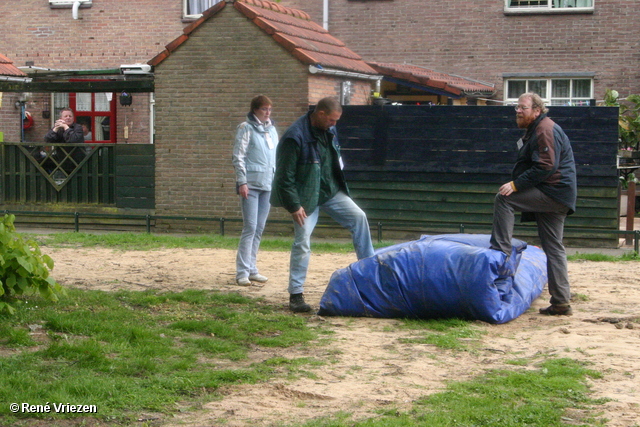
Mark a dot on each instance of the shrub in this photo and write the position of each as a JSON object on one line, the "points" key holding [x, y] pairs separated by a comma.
{"points": [[629, 120], [24, 270]]}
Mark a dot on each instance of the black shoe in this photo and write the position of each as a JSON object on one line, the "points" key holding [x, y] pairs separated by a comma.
{"points": [[557, 310], [297, 304]]}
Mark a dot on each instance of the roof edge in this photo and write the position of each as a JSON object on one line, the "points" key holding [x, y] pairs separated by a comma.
{"points": [[186, 32], [276, 7]]}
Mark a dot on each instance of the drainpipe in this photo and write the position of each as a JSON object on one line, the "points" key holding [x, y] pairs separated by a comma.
{"points": [[22, 111], [325, 14], [74, 9]]}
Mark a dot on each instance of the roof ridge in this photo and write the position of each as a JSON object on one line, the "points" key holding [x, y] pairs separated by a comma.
{"points": [[269, 5]]}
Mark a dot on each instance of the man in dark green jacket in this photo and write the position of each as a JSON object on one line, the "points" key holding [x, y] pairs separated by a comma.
{"points": [[308, 179], [544, 189]]}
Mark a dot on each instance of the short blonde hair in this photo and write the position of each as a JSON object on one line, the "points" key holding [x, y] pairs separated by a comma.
{"points": [[536, 101]]}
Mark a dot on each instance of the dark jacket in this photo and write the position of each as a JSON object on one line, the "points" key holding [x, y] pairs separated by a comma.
{"points": [[73, 135], [546, 162], [297, 180]]}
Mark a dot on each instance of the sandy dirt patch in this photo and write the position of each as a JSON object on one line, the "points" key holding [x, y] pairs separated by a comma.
{"points": [[370, 367]]}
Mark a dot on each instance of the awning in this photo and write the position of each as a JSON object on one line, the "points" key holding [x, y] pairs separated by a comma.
{"points": [[57, 80]]}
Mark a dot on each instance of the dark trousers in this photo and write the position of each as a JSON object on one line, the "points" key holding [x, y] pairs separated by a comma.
{"points": [[550, 216]]}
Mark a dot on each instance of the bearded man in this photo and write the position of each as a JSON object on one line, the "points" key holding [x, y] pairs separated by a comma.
{"points": [[544, 189]]}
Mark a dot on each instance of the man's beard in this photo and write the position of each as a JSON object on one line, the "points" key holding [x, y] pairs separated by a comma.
{"points": [[523, 123]]}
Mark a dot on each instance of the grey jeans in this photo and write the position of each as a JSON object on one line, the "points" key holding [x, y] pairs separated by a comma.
{"points": [[550, 216]]}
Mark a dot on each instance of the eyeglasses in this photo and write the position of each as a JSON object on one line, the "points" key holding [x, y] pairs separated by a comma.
{"points": [[520, 107]]}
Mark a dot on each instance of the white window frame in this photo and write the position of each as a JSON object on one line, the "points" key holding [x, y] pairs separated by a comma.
{"points": [[551, 6], [186, 12], [550, 100]]}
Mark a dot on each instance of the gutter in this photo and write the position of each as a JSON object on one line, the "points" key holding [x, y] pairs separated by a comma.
{"points": [[38, 71], [15, 79], [318, 69]]}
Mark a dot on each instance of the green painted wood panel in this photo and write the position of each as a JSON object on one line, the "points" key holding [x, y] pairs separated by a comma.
{"points": [[135, 176]]}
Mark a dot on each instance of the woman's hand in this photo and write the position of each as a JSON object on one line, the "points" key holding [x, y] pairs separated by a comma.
{"points": [[243, 191]]}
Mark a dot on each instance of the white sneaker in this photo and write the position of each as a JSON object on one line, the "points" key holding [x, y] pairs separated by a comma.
{"points": [[258, 278], [243, 281]]}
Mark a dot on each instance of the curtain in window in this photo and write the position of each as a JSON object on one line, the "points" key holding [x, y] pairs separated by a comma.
{"points": [[572, 3], [60, 101], [101, 129], [103, 101], [196, 7], [581, 88], [539, 87], [83, 102]]}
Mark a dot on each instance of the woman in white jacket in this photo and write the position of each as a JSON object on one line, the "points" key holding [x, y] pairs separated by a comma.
{"points": [[254, 161]]}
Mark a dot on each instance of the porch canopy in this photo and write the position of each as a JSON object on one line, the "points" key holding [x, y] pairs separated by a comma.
{"points": [[102, 80]]}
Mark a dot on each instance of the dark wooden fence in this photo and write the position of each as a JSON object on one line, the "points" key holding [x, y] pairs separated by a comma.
{"points": [[434, 168], [415, 169], [120, 176]]}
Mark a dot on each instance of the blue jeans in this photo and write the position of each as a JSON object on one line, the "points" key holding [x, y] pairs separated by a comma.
{"points": [[255, 210], [346, 213]]}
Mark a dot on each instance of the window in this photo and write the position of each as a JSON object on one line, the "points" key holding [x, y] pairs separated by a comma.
{"points": [[194, 8], [95, 111], [555, 91], [549, 5]]}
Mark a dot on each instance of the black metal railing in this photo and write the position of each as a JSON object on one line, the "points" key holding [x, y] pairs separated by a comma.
{"points": [[379, 226]]}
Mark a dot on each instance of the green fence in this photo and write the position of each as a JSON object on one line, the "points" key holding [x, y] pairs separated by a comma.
{"points": [[120, 176]]}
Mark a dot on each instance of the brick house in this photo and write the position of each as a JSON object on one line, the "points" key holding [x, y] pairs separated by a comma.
{"points": [[568, 50], [55, 43], [233, 52], [9, 73], [501, 46]]}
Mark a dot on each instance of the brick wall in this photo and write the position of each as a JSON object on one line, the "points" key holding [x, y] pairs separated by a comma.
{"points": [[110, 33], [322, 85], [203, 91], [105, 35], [225, 62], [477, 40]]}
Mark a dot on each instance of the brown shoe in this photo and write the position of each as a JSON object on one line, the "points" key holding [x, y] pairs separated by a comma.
{"points": [[557, 310]]}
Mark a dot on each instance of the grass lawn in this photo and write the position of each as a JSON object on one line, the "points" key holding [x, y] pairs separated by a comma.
{"points": [[127, 353]]}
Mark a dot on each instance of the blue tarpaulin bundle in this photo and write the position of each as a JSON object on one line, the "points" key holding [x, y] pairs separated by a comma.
{"points": [[444, 276]]}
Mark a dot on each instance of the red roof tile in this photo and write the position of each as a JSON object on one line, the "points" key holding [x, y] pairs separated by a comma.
{"points": [[8, 69], [429, 78], [291, 28], [305, 39]]}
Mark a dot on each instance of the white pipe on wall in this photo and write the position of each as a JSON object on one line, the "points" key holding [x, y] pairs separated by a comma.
{"points": [[74, 9], [325, 14]]}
